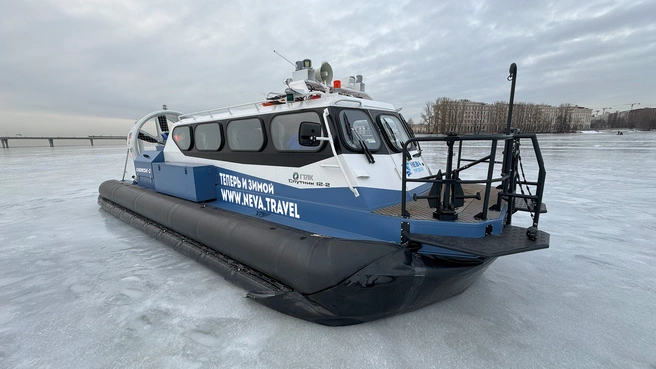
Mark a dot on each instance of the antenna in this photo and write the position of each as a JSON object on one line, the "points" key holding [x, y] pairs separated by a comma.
{"points": [[284, 58]]}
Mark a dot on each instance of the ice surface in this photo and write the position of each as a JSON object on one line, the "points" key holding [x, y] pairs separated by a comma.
{"points": [[81, 289]]}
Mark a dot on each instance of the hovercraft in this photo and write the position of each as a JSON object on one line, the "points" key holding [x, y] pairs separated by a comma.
{"points": [[320, 203]]}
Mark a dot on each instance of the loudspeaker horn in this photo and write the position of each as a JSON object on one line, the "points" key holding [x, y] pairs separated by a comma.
{"points": [[324, 74]]}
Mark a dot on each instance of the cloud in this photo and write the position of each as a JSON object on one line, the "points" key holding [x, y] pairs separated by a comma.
{"points": [[123, 59]]}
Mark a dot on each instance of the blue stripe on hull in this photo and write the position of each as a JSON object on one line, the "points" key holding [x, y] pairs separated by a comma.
{"points": [[333, 212], [369, 199]]}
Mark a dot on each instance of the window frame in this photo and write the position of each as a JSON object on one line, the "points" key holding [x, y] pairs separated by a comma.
{"points": [[402, 126], [237, 121], [273, 132], [191, 137], [221, 137], [343, 131]]}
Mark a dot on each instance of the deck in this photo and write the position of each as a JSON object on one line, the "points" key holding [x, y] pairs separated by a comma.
{"points": [[419, 210]]}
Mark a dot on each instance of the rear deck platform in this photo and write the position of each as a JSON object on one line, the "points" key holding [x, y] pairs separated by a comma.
{"points": [[420, 210], [512, 240]]}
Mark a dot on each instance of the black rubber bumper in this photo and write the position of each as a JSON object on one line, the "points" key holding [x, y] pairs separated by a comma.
{"points": [[396, 283], [324, 280]]}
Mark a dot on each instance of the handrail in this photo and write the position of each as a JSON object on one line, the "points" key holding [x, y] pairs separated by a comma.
{"points": [[332, 147], [447, 200], [258, 105], [358, 102], [209, 112]]}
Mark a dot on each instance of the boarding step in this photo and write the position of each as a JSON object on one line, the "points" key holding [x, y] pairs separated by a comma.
{"points": [[527, 205], [512, 240]]}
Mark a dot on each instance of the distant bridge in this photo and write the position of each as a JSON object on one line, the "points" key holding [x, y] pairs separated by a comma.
{"points": [[51, 139]]}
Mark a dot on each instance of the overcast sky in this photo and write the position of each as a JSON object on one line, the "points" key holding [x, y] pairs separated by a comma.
{"points": [[96, 66]]}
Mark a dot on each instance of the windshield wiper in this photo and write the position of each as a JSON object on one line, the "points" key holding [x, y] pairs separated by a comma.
{"points": [[389, 129], [411, 134], [399, 144], [352, 132]]}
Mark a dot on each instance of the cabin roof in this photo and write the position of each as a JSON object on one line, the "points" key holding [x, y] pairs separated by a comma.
{"points": [[258, 108]]}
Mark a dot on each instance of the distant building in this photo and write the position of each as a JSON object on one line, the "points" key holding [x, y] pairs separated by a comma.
{"points": [[471, 117], [549, 115], [420, 128], [581, 117], [644, 118], [476, 116]]}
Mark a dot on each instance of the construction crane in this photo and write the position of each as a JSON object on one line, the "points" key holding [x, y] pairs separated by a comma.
{"points": [[632, 104]]}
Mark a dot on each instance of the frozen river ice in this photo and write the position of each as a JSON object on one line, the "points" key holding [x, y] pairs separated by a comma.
{"points": [[81, 289]]}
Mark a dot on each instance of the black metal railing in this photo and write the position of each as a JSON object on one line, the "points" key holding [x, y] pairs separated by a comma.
{"points": [[446, 194]]}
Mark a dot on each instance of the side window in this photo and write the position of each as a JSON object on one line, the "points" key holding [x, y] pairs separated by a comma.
{"points": [[207, 137], [182, 137], [245, 135], [284, 131], [358, 128], [395, 132]]}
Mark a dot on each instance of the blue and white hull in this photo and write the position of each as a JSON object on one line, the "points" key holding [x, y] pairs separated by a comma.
{"points": [[320, 204]]}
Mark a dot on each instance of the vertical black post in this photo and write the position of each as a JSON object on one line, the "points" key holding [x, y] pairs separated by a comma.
{"points": [[403, 180], [446, 203], [508, 156], [446, 210], [459, 153], [488, 183], [507, 152], [513, 78]]}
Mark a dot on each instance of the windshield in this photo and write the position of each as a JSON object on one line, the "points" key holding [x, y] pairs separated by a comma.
{"points": [[395, 131], [358, 130]]}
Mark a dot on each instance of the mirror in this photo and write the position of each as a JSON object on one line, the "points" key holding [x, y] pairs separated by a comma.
{"points": [[308, 132]]}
